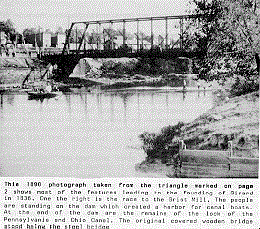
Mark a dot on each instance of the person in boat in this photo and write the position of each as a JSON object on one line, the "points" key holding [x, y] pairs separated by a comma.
{"points": [[48, 88], [198, 85], [184, 84], [55, 88]]}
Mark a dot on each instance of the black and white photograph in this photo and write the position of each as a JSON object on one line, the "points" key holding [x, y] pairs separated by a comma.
{"points": [[115, 89], [118, 114]]}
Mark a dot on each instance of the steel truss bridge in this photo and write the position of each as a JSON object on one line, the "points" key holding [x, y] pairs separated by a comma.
{"points": [[68, 59]]}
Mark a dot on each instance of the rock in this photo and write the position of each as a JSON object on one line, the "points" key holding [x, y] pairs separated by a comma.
{"points": [[97, 67]]}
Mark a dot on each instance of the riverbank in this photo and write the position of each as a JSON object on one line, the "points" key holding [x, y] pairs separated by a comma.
{"points": [[235, 119], [13, 70], [106, 74], [118, 73]]}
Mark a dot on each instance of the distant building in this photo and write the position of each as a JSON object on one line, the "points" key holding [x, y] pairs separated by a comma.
{"points": [[42, 39], [58, 40], [61, 38], [108, 39], [46, 39]]}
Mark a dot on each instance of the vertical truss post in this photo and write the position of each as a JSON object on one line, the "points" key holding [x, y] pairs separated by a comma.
{"points": [[104, 37], [111, 37], [82, 38], [151, 33], [137, 35], [97, 35], [76, 38], [84, 44], [66, 45], [100, 34], [181, 33], [166, 33], [123, 33]]}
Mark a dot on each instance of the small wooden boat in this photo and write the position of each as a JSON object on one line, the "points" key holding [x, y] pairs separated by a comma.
{"points": [[39, 95]]}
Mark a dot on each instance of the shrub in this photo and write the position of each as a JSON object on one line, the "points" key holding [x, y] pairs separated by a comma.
{"points": [[244, 85], [157, 145]]}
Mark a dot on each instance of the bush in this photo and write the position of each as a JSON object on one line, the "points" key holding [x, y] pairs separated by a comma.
{"points": [[244, 85], [156, 146]]}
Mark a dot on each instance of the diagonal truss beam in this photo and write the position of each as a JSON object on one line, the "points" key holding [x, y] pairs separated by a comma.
{"points": [[66, 45], [67, 39]]}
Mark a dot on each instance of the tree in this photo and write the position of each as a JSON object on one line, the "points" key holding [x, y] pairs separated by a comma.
{"points": [[228, 29], [202, 32], [59, 30], [8, 27], [29, 31], [242, 32], [29, 35]]}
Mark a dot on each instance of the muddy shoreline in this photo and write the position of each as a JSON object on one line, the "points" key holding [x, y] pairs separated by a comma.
{"points": [[115, 73]]}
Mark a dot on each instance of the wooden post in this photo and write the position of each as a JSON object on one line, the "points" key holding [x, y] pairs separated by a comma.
{"points": [[230, 148], [182, 145]]}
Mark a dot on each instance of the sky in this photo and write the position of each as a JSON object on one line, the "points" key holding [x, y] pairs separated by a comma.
{"points": [[50, 14]]}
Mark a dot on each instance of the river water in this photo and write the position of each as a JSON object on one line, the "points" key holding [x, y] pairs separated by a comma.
{"points": [[87, 134]]}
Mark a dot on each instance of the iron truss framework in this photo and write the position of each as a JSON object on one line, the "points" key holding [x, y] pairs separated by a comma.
{"points": [[124, 21]]}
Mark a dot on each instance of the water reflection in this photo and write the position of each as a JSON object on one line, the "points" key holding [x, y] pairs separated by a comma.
{"points": [[10, 99], [87, 134]]}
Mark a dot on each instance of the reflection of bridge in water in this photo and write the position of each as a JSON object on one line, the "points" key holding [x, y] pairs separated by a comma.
{"points": [[134, 101], [104, 47]]}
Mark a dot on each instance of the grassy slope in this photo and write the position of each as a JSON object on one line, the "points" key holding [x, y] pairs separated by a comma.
{"points": [[236, 120]]}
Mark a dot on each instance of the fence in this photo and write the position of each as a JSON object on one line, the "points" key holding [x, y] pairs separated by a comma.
{"points": [[214, 164]]}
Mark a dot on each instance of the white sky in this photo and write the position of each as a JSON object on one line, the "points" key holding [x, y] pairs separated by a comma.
{"points": [[50, 14]]}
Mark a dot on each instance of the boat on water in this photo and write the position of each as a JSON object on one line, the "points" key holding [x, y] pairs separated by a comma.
{"points": [[39, 95], [47, 93]]}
